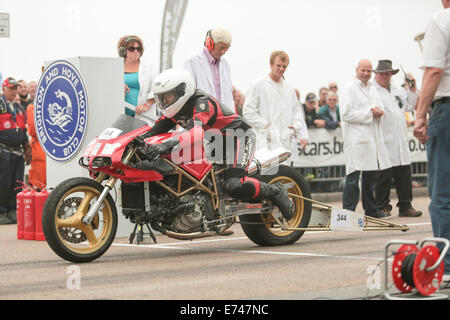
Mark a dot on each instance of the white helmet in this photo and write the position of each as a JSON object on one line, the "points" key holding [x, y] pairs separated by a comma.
{"points": [[172, 88]]}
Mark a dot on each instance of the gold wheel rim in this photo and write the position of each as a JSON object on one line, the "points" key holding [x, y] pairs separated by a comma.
{"points": [[299, 207], [96, 233]]}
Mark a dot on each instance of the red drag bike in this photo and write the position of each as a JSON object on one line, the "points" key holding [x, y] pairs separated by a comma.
{"points": [[183, 201]]}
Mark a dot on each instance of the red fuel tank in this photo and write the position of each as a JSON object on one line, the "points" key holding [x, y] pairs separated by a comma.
{"points": [[39, 201], [28, 213]]}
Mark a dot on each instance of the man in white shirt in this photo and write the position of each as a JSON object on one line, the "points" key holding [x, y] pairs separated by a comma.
{"points": [[273, 110], [395, 101], [210, 70], [435, 92], [364, 147]]}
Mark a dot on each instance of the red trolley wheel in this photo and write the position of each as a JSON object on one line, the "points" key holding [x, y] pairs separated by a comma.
{"points": [[427, 282], [400, 256]]}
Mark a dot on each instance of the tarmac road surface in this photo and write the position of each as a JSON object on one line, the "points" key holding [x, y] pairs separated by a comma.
{"points": [[321, 265]]}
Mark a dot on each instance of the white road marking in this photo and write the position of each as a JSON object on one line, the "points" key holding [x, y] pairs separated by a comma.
{"points": [[203, 241], [305, 254], [418, 224], [175, 246]]}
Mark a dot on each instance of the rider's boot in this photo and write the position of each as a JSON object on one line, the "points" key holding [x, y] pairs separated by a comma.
{"points": [[279, 196]]}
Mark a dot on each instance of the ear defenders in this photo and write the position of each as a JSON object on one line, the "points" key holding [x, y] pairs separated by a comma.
{"points": [[209, 42], [123, 49]]}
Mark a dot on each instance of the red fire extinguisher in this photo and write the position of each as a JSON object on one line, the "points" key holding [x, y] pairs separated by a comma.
{"points": [[39, 201], [28, 213], [20, 216]]}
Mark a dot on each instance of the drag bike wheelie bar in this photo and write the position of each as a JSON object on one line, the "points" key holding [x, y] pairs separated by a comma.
{"points": [[323, 214], [322, 211]]}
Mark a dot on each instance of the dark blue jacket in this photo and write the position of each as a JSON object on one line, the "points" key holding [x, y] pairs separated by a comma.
{"points": [[324, 113]]}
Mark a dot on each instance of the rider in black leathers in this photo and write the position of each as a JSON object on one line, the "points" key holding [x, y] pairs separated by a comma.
{"points": [[181, 104]]}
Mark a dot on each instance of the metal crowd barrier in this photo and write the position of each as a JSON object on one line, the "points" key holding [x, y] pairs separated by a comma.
{"points": [[331, 178]]}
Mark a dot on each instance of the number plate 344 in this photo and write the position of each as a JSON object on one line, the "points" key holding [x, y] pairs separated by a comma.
{"points": [[346, 220]]}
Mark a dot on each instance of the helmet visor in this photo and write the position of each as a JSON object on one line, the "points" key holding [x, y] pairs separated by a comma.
{"points": [[168, 98]]}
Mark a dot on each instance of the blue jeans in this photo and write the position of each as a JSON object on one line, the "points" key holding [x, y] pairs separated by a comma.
{"points": [[350, 194], [438, 154]]}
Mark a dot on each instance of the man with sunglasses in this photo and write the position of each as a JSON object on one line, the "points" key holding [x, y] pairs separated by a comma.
{"points": [[396, 101], [210, 70], [330, 112], [333, 87]]}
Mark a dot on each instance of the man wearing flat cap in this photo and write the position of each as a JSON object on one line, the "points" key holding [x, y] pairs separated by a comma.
{"points": [[13, 147], [396, 101]]}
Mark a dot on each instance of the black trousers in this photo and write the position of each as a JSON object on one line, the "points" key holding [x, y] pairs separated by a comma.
{"points": [[403, 185], [350, 194], [12, 169]]}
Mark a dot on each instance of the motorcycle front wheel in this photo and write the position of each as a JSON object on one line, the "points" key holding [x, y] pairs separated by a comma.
{"points": [[65, 232], [263, 230]]}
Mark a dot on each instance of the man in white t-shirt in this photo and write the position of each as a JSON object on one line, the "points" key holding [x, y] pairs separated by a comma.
{"points": [[435, 92]]}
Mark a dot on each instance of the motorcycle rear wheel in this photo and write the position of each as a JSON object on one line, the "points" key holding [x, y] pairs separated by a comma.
{"points": [[265, 232], [65, 232]]}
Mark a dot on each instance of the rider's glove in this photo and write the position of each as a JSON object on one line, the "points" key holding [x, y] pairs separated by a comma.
{"points": [[155, 150], [141, 145], [139, 142]]}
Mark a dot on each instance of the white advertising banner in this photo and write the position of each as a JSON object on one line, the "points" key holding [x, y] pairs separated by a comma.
{"points": [[326, 148]]}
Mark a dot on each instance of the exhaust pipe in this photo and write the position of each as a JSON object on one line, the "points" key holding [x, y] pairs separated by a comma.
{"points": [[189, 236], [181, 236], [265, 159]]}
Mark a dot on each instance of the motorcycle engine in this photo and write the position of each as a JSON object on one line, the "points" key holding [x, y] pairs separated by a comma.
{"points": [[192, 221]]}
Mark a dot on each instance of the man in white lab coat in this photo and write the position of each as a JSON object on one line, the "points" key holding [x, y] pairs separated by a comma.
{"points": [[210, 70], [364, 147], [395, 101], [273, 110]]}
